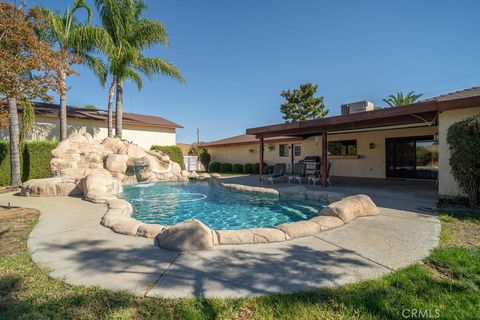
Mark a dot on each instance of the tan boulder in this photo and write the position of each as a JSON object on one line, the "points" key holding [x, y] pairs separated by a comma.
{"points": [[115, 145], [185, 173], [265, 235], [67, 188], [126, 226], [116, 163], [149, 230], [215, 175], [175, 169], [98, 196], [113, 216], [189, 235], [327, 222], [135, 151], [101, 183], [300, 229], [40, 187], [71, 173], [120, 204], [242, 236], [193, 175], [351, 207]]}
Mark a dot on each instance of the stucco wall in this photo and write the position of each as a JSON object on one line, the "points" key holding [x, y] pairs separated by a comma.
{"points": [[47, 129], [370, 163], [447, 184]]}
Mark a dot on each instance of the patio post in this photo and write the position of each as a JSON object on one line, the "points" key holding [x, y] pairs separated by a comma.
{"points": [[260, 166], [324, 159]]}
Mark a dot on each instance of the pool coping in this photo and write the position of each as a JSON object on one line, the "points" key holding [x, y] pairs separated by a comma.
{"points": [[192, 234]]}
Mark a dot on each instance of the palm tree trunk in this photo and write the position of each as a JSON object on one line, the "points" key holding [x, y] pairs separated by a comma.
{"points": [[118, 109], [14, 143], [110, 107], [63, 109]]}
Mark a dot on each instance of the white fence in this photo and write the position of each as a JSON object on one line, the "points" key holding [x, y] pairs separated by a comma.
{"points": [[191, 163]]}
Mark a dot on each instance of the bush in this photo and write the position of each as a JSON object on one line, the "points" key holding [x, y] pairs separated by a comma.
{"points": [[205, 159], [174, 152], [34, 161], [464, 143], [214, 167], [237, 168], [226, 168], [248, 168]]}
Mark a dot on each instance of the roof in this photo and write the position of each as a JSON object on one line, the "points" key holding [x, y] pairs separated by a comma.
{"points": [[245, 139], [52, 110], [465, 93], [420, 113], [185, 147]]}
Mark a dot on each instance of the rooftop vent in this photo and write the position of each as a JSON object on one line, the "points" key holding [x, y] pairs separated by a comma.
{"points": [[356, 107]]}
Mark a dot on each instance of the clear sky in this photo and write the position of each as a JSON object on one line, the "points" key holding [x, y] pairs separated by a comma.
{"points": [[237, 56]]}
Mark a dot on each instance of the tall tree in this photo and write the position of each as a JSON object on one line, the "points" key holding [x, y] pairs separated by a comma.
{"points": [[130, 34], [28, 69], [399, 99], [79, 40], [302, 104]]}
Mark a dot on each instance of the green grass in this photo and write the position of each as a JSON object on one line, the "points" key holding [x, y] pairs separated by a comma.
{"points": [[447, 282]]}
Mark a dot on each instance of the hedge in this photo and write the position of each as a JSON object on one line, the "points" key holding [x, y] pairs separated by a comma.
{"points": [[214, 167], [237, 168], [248, 168], [34, 161], [226, 167], [174, 152]]}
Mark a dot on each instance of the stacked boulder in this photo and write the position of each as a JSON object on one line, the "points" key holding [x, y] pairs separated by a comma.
{"points": [[98, 169]]}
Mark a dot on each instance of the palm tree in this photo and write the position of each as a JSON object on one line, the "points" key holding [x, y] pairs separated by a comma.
{"points": [[130, 34], [79, 40], [399, 99]]}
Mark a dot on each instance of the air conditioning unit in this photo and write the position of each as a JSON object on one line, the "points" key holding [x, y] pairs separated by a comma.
{"points": [[356, 107]]}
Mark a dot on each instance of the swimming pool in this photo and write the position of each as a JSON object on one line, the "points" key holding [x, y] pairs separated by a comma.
{"points": [[169, 203]]}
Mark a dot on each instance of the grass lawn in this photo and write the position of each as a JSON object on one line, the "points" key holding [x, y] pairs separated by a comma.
{"points": [[445, 286]]}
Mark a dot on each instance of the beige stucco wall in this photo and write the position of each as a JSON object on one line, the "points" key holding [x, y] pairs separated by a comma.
{"points": [[447, 184], [46, 128], [370, 163]]}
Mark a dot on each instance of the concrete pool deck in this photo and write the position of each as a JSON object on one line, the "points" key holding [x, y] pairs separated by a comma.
{"points": [[70, 242]]}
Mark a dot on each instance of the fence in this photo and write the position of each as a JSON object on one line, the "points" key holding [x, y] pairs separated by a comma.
{"points": [[191, 163]]}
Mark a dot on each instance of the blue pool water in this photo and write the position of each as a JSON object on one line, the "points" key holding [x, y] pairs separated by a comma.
{"points": [[173, 202]]}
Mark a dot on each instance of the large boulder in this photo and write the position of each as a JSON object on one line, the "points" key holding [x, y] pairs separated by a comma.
{"points": [[351, 207], [189, 235], [300, 229], [101, 183], [50, 187], [116, 163], [115, 145]]}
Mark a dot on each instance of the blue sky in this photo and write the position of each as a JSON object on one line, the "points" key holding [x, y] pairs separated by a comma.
{"points": [[237, 56]]}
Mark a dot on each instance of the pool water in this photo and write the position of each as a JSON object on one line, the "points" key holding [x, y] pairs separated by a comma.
{"points": [[169, 203]]}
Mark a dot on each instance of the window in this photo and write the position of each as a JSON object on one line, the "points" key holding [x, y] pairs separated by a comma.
{"points": [[297, 150], [342, 148], [283, 150]]}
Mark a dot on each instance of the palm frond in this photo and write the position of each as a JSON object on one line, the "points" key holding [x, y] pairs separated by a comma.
{"points": [[150, 66], [147, 33], [81, 4], [97, 66], [135, 77]]}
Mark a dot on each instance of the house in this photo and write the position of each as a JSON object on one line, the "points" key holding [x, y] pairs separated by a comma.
{"points": [[141, 129], [407, 142]]}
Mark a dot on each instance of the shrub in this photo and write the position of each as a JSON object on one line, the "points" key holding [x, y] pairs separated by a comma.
{"points": [[237, 168], [35, 161], [214, 167], [205, 159], [248, 168], [255, 168], [174, 152], [464, 143], [226, 167]]}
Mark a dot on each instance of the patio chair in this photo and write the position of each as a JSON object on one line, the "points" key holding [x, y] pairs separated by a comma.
{"points": [[298, 172], [317, 176], [278, 173]]}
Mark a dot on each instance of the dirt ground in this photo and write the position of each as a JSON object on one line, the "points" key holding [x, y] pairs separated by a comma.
{"points": [[15, 224]]}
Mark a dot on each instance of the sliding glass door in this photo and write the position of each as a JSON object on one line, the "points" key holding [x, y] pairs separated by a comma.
{"points": [[412, 157]]}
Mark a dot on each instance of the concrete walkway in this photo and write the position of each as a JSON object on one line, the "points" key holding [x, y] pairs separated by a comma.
{"points": [[72, 244]]}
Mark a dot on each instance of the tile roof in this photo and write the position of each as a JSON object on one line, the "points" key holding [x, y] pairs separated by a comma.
{"points": [[245, 139], [465, 93], [52, 110]]}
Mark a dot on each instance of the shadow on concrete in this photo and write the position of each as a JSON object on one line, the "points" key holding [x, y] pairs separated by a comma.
{"points": [[263, 269]]}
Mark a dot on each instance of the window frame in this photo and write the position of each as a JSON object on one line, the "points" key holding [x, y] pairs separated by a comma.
{"points": [[295, 147], [283, 147], [344, 146]]}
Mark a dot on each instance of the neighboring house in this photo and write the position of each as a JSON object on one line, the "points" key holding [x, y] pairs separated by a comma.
{"points": [[404, 142], [141, 129], [185, 147]]}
